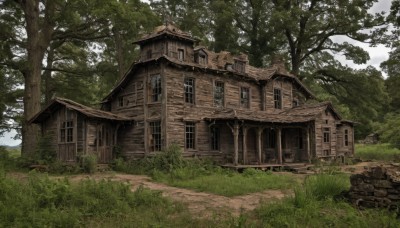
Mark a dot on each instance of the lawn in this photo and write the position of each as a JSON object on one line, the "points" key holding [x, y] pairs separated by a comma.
{"points": [[228, 182], [379, 152]]}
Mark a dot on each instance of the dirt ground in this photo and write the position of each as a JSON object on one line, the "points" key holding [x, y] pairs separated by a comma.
{"points": [[201, 203]]}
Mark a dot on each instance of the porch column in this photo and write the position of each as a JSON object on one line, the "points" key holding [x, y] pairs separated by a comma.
{"points": [[245, 145], [279, 144], [236, 142], [259, 132], [308, 144]]}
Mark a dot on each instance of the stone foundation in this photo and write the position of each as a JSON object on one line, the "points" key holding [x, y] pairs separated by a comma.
{"points": [[377, 187]]}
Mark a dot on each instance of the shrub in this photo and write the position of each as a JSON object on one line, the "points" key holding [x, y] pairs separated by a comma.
{"points": [[89, 163], [323, 186], [45, 153]]}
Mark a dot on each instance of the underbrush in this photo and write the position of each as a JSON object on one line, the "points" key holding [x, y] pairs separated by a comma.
{"points": [[316, 204], [379, 152], [42, 202], [171, 168]]}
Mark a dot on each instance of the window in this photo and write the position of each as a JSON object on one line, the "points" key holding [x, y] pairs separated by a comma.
{"points": [[326, 153], [181, 54], [189, 90], [240, 66], [202, 60], [346, 137], [67, 131], [120, 101], [278, 98], [200, 57], [295, 103], [156, 88], [190, 135], [244, 97], [155, 140], [214, 138], [219, 94], [327, 133]]}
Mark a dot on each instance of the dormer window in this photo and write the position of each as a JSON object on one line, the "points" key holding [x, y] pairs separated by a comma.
{"points": [[240, 66], [181, 54], [228, 66], [200, 57]]}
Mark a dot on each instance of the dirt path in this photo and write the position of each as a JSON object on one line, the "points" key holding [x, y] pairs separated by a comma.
{"points": [[199, 203]]}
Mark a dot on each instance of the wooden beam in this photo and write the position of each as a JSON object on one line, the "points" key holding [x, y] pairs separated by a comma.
{"points": [[308, 144], [279, 144], [259, 132], [245, 129], [236, 142]]}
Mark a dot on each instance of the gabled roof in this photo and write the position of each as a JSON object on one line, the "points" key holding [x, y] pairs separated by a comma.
{"points": [[216, 64], [58, 102], [166, 30], [299, 114]]}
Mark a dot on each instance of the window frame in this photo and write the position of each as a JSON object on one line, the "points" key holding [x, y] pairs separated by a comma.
{"points": [[181, 54], [278, 98], [156, 136], [241, 103], [221, 94], [155, 92], [326, 132], [67, 128], [239, 66], [346, 137], [190, 136], [189, 96]]}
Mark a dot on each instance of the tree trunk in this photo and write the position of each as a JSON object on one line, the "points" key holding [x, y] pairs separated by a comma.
{"points": [[48, 87], [119, 52], [38, 39]]}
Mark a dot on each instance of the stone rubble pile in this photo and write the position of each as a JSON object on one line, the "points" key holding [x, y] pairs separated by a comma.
{"points": [[377, 187]]}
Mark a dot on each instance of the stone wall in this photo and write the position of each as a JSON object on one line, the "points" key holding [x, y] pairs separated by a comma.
{"points": [[376, 187]]}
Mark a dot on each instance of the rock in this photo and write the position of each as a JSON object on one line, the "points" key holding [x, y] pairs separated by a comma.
{"points": [[394, 197], [380, 192], [378, 172], [356, 179], [382, 184]]}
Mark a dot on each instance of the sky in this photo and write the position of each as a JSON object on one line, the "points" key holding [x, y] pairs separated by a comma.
{"points": [[377, 55]]}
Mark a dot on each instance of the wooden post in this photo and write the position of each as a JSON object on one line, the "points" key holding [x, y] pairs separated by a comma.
{"points": [[245, 145], [236, 142], [279, 144], [259, 131], [308, 144]]}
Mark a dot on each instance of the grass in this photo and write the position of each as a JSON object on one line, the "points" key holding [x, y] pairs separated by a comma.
{"points": [[379, 152], [227, 182], [42, 202], [314, 205]]}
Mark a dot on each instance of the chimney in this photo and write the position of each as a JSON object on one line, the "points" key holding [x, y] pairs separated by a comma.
{"points": [[279, 62]]}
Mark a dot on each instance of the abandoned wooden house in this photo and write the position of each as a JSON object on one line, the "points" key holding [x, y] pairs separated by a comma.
{"points": [[210, 104]]}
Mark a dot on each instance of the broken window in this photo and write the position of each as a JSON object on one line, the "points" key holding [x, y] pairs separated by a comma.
{"points": [[214, 138], [346, 137], [156, 88], [155, 140], [244, 97], [278, 98], [190, 135], [219, 94], [189, 90], [327, 135]]}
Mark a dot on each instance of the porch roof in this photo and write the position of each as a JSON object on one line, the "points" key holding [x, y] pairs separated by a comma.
{"points": [[58, 102], [299, 114]]}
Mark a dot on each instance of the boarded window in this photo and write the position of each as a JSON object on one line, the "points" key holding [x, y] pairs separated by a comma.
{"points": [[219, 94], [181, 54], [215, 138], [155, 132], [346, 137], [156, 88], [240, 66], [189, 90], [327, 135], [244, 97], [190, 135], [278, 98]]}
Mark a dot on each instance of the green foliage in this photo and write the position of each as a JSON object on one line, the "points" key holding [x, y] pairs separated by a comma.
{"points": [[45, 153], [41, 202], [378, 152], [89, 163], [313, 205]]}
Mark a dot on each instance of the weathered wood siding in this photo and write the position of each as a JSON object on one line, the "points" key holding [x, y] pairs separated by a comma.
{"points": [[50, 129], [286, 93], [325, 120], [341, 148]]}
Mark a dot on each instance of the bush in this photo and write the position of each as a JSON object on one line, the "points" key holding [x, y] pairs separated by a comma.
{"points": [[324, 186], [379, 152], [45, 153], [89, 163]]}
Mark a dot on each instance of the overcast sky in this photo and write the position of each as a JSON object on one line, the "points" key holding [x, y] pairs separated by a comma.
{"points": [[377, 55]]}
